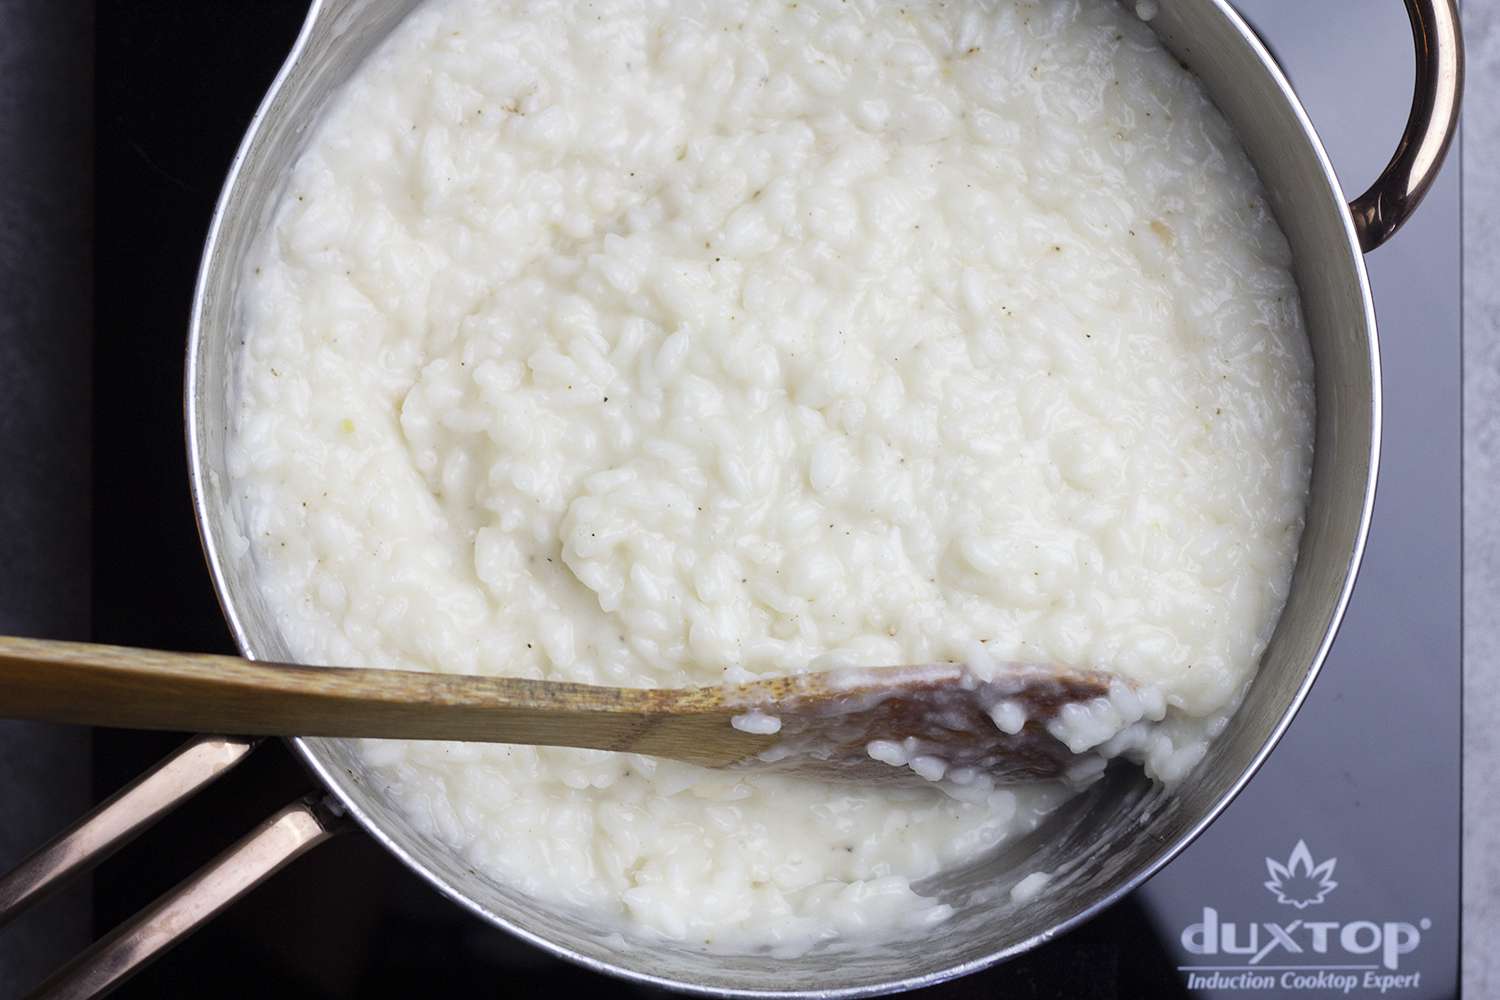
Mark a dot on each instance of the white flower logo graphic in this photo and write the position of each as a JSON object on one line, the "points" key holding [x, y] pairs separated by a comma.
{"points": [[1299, 882]]}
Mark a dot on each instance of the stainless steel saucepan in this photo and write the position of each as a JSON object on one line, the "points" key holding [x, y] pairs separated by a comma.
{"points": [[1106, 842]]}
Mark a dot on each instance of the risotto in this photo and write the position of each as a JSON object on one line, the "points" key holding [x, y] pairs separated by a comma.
{"points": [[663, 342]]}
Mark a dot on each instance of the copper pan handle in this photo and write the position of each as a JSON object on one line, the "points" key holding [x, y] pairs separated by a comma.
{"points": [[1390, 201], [271, 846], [268, 848], [120, 818]]}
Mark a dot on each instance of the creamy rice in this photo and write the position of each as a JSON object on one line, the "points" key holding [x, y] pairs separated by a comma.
{"points": [[659, 342]]}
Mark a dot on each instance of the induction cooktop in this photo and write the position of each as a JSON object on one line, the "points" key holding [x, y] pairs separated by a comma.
{"points": [[1335, 872]]}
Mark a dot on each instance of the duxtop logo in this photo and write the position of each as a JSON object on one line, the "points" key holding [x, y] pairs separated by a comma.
{"points": [[1299, 882], [1306, 953]]}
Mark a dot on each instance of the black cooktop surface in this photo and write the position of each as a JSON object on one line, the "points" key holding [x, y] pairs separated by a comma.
{"points": [[1367, 776]]}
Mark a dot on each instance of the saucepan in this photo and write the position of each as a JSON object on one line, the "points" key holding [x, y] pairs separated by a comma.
{"points": [[1105, 843]]}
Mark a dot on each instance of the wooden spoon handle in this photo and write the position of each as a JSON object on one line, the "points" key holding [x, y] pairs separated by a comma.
{"points": [[145, 689]]}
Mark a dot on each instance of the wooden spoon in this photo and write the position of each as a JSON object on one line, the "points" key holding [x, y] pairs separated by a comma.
{"points": [[824, 724]]}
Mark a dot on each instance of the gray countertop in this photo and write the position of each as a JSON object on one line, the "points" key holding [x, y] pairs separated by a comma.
{"points": [[1481, 191]]}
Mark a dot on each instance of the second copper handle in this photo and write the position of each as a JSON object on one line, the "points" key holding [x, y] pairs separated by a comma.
{"points": [[1390, 201]]}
